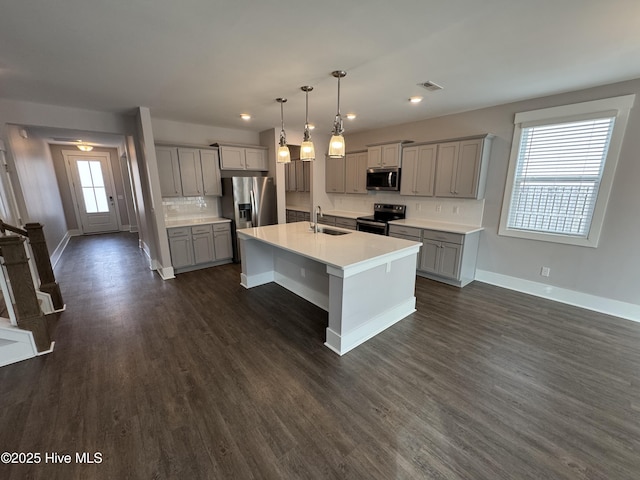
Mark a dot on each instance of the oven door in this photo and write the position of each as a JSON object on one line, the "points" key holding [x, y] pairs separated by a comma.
{"points": [[379, 228]]}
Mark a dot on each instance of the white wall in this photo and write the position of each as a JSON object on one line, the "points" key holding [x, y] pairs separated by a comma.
{"points": [[169, 131], [612, 270], [35, 171]]}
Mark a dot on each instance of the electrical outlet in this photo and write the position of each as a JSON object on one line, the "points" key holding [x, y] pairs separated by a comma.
{"points": [[438, 208], [456, 210], [303, 274], [418, 207], [545, 271]]}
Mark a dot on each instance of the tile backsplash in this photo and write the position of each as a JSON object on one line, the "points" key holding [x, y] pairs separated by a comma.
{"points": [[190, 207], [450, 210]]}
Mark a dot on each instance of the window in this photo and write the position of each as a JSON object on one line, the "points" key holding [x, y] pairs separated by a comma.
{"points": [[561, 171]]}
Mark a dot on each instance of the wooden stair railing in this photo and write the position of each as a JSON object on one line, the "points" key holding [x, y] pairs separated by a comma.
{"points": [[29, 316]]}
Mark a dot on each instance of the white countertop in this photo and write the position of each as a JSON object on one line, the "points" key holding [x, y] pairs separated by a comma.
{"points": [[346, 213], [188, 222], [440, 226], [340, 251]]}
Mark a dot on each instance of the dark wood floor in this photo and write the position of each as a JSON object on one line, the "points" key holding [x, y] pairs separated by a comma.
{"points": [[199, 378]]}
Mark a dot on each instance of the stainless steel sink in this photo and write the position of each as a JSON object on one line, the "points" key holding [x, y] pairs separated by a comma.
{"points": [[329, 231]]}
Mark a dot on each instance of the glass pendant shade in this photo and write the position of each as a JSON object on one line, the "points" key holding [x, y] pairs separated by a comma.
{"points": [[307, 151], [284, 156], [336, 146], [84, 147]]}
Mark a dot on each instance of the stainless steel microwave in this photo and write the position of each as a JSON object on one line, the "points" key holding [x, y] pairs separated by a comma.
{"points": [[383, 179]]}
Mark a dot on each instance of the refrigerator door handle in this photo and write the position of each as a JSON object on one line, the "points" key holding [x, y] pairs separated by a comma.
{"points": [[253, 209]]}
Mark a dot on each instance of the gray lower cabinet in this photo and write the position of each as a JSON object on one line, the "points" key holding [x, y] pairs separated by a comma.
{"points": [[222, 241], [199, 246], [444, 256], [298, 216], [342, 222]]}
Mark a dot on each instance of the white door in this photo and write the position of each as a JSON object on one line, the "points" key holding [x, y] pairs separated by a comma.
{"points": [[94, 192]]}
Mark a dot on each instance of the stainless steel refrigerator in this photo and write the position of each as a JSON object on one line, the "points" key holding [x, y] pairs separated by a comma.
{"points": [[248, 202]]}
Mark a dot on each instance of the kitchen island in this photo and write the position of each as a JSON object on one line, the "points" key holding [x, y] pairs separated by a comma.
{"points": [[365, 282]]}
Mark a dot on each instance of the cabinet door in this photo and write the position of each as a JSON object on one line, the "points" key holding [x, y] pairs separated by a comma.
{"points": [[222, 241], [374, 157], [450, 254], [356, 172], [468, 169], [256, 159], [430, 256], [169, 171], [232, 158], [446, 166], [210, 172], [351, 173], [203, 250], [335, 175], [181, 251], [190, 172], [299, 168], [307, 176], [391, 155], [425, 170], [409, 171]]}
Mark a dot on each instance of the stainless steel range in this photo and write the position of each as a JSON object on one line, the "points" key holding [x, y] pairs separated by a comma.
{"points": [[382, 214]]}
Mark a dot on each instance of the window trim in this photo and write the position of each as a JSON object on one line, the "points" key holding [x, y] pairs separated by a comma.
{"points": [[615, 106]]}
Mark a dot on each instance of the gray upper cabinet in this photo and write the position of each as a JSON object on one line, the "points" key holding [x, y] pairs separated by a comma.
{"points": [[169, 171], [418, 170], [335, 175], [356, 172], [190, 172], [234, 157], [210, 172], [384, 156], [461, 168]]}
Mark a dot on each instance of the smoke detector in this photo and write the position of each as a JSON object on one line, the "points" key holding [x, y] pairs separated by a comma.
{"points": [[431, 86]]}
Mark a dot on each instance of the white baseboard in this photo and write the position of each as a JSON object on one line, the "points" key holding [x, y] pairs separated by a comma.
{"points": [[125, 228], [57, 253], [604, 305], [166, 273]]}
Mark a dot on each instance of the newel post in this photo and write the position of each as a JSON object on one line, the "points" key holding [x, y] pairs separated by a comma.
{"points": [[42, 260], [27, 308]]}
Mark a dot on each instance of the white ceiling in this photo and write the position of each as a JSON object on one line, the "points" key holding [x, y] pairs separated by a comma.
{"points": [[207, 61]]}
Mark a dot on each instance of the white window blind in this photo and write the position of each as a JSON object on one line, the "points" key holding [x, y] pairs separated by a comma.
{"points": [[557, 177]]}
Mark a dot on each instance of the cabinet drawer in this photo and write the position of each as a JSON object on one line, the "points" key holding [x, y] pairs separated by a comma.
{"points": [[327, 220], [443, 236], [201, 229], [349, 223], [221, 227], [179, 232], [410, 231]]}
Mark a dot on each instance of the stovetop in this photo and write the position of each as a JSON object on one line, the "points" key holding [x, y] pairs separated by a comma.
{"points": [[384, 213]]}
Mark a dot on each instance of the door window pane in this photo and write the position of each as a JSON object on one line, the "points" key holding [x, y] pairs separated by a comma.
{"points": [[93, 189]]}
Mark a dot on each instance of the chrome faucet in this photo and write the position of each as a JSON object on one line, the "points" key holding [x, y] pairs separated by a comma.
{"points": [[317, 211]]}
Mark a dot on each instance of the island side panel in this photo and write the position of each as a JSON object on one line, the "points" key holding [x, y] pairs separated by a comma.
{"points": [[303, 276], [365, 304], [257, 262]]}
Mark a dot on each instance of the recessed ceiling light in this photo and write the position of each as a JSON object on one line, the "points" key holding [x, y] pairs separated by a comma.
{"points": [[351, 116], [415, 99], [245, 116]]}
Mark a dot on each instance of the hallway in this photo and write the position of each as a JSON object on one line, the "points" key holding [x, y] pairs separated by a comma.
{"points": [[198, 378]]}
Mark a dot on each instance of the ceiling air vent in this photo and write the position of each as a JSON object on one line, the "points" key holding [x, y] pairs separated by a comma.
{"points": [[431, 86]]}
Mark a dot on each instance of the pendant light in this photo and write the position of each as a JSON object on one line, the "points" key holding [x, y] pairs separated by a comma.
{"points": [[336, 144], [283, 151], [307, 150]]}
